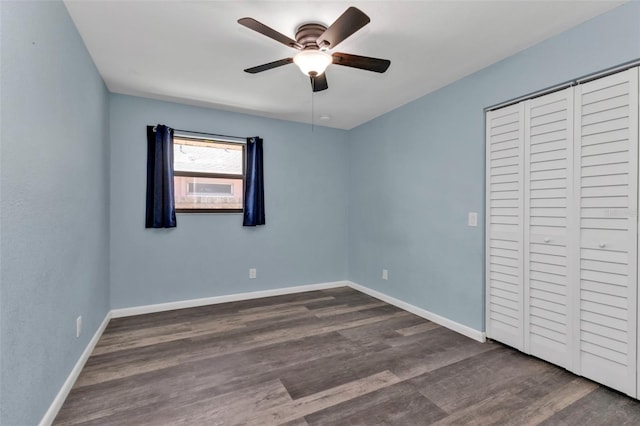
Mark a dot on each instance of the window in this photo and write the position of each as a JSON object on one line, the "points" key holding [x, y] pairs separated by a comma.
{"points": [[208, 175]]}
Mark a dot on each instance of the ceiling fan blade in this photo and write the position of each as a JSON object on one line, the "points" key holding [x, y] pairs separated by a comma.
{"points": [[319, 83], [348, 23], [361, 62], [269, 32], [270, 65]]}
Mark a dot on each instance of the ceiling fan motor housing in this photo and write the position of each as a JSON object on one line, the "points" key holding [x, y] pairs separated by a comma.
{"points": [[307, 34]]}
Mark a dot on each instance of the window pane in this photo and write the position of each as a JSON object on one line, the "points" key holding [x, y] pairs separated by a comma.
{"points": [[191, 155], [207, 193]]}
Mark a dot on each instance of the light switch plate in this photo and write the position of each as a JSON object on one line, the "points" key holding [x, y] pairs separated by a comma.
{"points": [[473, 219]]}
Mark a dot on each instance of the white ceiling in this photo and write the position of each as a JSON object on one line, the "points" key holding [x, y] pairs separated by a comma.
{"points": [[194, 52]]}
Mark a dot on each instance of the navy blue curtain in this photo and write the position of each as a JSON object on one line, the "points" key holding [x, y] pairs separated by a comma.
{"points": [[254, 184], [161, 209]]}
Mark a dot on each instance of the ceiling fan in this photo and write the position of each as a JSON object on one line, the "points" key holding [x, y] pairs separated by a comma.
{"points": [[313, 40]]}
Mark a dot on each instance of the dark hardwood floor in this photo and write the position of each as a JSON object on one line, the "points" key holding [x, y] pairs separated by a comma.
{"points": [[331, 357]]}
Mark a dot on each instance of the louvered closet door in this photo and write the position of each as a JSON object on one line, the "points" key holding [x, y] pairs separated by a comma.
{"points": [[504, 250], [548, 163], [607, 153]]}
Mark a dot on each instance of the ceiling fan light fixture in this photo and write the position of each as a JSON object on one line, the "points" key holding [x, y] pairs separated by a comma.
{"points": [[312, 62]]}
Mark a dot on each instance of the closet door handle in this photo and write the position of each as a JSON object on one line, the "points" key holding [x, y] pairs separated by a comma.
{"points": [[547, 239], [602, 245]]}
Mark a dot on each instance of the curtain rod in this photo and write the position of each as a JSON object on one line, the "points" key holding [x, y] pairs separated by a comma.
{"points": [[208, 134]]}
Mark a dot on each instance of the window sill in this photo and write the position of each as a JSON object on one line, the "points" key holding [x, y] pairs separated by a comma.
{"points": [[208, 211]]}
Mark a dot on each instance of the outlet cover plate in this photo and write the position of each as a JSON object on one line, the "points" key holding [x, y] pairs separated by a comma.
{"points": [[79, 326]]}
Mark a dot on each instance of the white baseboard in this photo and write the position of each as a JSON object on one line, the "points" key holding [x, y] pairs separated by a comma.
{"points": [[160, 307], [55, 406], [445, 322]]}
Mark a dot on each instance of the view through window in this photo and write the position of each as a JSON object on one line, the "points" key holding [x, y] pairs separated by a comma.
{"points": [[208, 175]]}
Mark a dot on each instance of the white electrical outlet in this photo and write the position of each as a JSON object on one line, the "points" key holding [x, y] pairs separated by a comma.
{"points": [[252, 273], [78, 326], [385, 274], [473, 219]]}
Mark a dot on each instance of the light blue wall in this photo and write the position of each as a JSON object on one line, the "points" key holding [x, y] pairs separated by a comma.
{"points": [[54, 205], [304, 241], [417, 171]]}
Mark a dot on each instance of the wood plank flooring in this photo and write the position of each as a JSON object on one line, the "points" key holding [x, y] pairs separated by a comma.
{"points": [[330, 357]]}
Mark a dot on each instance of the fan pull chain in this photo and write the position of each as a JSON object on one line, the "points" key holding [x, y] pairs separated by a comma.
{"points": [[313, 80]]}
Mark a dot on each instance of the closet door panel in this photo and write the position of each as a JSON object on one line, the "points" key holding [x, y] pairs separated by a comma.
{"points": [[606, 139], [548, 184], [504, 252]]}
